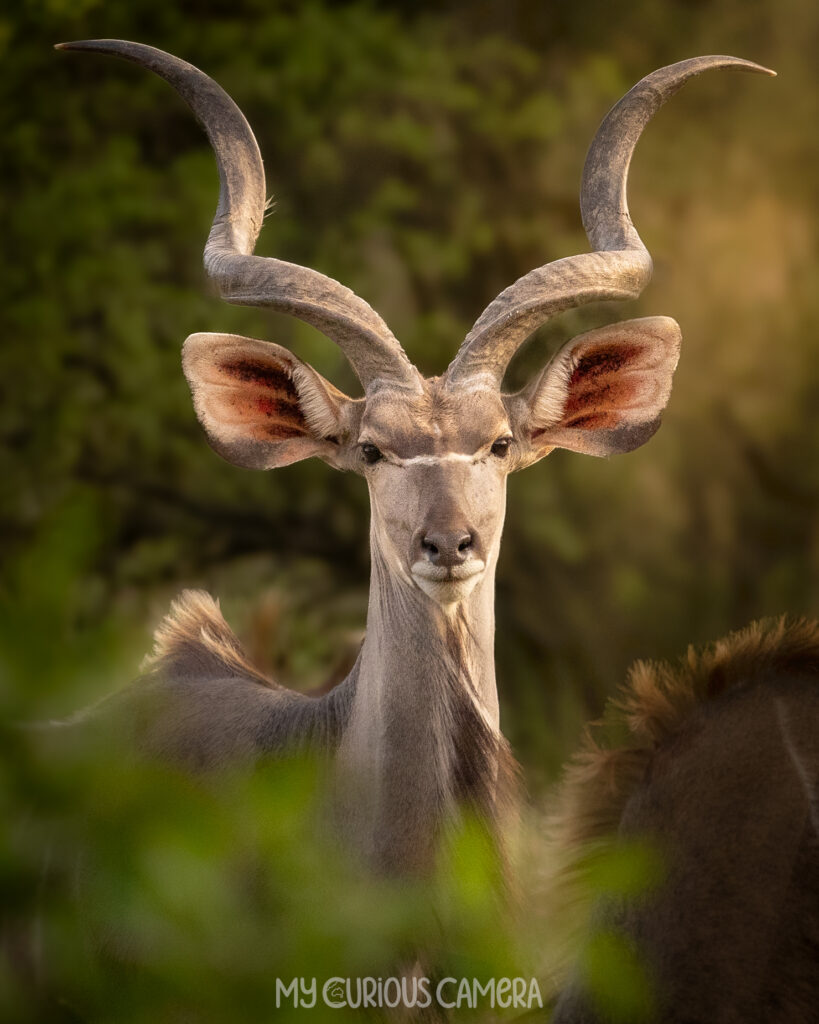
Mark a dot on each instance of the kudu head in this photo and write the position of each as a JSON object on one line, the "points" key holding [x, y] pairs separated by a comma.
{"points": [[435, 452]]}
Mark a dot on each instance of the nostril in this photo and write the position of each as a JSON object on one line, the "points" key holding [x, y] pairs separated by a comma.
{"points": [[446, 548]]}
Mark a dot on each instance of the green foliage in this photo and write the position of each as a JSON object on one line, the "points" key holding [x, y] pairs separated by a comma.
{"points": [[616, 979]]}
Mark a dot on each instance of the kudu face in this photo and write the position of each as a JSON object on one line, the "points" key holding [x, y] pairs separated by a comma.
{"points": [[436, 465], [435, 452]]}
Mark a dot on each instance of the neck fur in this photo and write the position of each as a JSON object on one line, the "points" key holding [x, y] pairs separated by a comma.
{"points": [[423, 737]]}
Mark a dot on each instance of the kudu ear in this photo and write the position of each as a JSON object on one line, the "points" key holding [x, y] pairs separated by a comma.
{"points": [[260, 406], [604, 391]]}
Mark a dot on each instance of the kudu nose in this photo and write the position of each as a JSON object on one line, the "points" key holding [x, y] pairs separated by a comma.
{"points": [[450, 548]]}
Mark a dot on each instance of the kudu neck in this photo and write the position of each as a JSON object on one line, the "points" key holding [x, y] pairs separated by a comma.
{"points": [[423, 735], [414, 644]]}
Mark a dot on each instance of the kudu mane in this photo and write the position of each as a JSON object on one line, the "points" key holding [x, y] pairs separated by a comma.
{"points": [[486, 775], [194, 632], [653, 708]]}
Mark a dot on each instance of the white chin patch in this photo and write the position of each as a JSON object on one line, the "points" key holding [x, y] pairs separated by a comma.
{"points": [[445, 585]]}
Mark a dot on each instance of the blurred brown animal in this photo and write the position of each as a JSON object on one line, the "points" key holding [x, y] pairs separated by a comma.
{"points": [[720, 774]]}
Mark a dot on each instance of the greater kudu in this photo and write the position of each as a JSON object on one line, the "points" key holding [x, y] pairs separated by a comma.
{"points": [[414, 729]]}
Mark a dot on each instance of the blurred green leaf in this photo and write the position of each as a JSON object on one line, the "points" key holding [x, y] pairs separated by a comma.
{"points": [[616, 979]]}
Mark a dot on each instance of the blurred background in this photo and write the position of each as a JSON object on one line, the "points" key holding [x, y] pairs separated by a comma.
{"points": [[425, 154]]}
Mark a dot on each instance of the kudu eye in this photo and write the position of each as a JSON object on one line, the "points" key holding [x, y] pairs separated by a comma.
{"points": [[370, 453], [500, 448]]}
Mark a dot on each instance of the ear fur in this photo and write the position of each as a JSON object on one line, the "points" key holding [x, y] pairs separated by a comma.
{"points": [[604, 391], [260, 406]]}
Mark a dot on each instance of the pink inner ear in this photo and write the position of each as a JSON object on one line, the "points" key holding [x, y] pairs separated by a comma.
{"points": [[605, 391], [602, 385], [261, 397]]}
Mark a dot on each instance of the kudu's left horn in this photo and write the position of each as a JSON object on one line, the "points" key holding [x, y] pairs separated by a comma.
{"points": [[619, 267], [250, 280]]}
